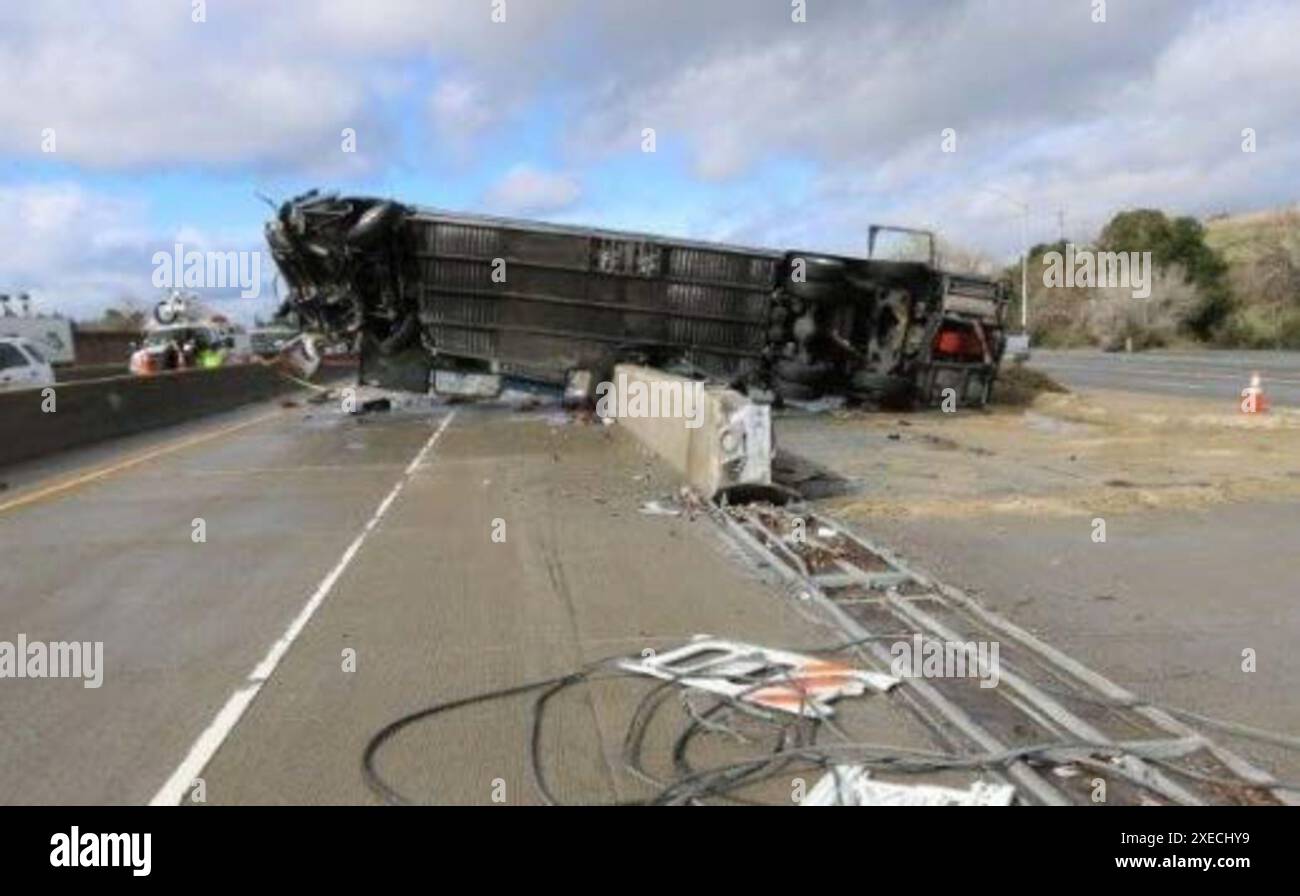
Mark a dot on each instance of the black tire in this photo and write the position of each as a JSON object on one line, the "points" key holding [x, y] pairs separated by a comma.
{"points": [[373, 224], [881, 389], [805, 374]]}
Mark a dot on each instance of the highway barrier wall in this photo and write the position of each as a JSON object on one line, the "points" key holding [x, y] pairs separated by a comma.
{"points": [[67, 373], [89, 411]]}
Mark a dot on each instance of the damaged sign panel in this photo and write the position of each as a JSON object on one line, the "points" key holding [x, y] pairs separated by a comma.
{"points": [[765, 677], [418, 289]]}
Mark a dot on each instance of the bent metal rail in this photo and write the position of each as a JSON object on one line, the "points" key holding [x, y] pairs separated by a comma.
{"points": [[1075, 726]]}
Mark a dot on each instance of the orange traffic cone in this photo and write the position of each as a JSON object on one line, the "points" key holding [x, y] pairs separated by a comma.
{"points": [[1253, 399]]}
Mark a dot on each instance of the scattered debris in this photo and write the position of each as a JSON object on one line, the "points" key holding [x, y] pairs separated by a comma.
{"points": [[299, 358], [852, 785], [658, 508], [374, 405], [768, 678], [774, 494], [466, 385], [945, 444], [579, 389]]}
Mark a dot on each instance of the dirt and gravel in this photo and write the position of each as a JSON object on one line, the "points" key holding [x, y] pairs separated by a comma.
{"points": [[1062, 454]]}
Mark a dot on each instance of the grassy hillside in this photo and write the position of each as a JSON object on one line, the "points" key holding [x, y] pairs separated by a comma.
{"points": [[1244, 238], [1230, 280], [1262, 250]]}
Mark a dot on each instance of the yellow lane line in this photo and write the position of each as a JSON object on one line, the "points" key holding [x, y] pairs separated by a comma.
{"points": [[81, 479]]}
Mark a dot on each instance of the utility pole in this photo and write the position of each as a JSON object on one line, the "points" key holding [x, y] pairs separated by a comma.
{"points": [[1024, 255], [1024, 270]]}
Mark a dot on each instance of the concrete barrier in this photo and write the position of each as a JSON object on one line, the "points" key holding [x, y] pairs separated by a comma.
{"points": [[91, 411], [727, 440], [70, 373]]}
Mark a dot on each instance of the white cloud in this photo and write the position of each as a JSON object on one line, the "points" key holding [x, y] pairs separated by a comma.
{"points": [[66, 246], [138, 84], [1146, 109], [76, 250], [461, 110], [528, 190]]}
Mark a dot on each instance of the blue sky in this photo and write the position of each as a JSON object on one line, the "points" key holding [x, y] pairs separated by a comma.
{"points": [[170, 115]]}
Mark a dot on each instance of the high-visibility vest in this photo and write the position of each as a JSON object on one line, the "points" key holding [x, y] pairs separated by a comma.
{"points": [[212, 358]]}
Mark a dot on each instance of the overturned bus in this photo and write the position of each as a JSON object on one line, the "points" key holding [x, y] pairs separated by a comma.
{"points": [[420, 290]]}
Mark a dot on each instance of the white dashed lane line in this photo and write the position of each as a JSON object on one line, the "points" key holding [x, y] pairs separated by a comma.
{"points": [[207, 744]]}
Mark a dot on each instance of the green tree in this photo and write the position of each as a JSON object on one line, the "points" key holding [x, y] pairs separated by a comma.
{"points": [[125, 317], [1177, 242]]}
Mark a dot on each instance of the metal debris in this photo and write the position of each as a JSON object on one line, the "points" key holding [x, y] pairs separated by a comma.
{"points": [[658, 508], [852, 785], [761, 676]]}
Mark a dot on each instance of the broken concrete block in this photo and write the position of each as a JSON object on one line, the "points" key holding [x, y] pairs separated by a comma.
{"points": [[714, 436]]}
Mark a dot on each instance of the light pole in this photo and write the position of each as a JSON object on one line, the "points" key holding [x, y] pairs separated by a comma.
{"points": [[1024, 255]]}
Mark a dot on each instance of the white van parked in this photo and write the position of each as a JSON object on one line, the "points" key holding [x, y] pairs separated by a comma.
{"points": [[22, 365]]}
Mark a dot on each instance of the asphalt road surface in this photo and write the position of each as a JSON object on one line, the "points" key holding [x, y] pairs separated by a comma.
{"points": [[1198, 374], [349, 575]]}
